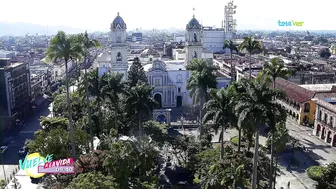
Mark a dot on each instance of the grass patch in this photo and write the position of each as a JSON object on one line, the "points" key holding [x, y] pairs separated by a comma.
{"points": [[315, 172]]}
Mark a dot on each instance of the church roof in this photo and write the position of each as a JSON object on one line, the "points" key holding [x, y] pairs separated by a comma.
{"points": [[104, 57], [148, 52], [194, 24], [118, 23], [172, 65]]}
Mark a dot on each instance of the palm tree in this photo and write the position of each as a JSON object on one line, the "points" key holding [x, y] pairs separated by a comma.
{"points": [[280, 137], [140, 103], [202, 78], [233, 47], [68, 48], [112, 89], [251, 46], [255, 103], [95, 88], [274, 69], [88, 44], [218, 109]]}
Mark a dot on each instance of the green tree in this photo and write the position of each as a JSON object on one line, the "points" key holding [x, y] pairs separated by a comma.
{"points": [[274, 69], [95, 88], [139, 103], [68, 48], [218, 109], [48, 123], [277, 139], [202, 78], [88, 44], [2, 184], [251, 46], [131, 162], [93, 180], [57, 141], [136, 73], [60, 106], [229, 44], [327, 180], [255, 103], [113, 88]]}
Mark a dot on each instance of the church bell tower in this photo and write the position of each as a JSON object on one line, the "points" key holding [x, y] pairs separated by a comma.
{"points": [[194, 46]]}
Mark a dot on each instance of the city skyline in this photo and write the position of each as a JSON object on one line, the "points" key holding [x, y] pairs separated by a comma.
{"points": [[259, 14]]}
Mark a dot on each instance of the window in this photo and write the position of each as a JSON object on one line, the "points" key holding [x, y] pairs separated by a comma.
{"points": [[157, 82], [179, 90]]}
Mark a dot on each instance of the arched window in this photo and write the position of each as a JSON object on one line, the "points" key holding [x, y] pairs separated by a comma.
{"points": [[325, 117], [195, 37], [306, 107], [195, 54], [119, 57]]}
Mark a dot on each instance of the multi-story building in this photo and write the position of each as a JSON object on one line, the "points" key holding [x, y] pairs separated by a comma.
{"points": [[325, 122], [298, 101], [39, 83], [213, 39], [14, 92]]}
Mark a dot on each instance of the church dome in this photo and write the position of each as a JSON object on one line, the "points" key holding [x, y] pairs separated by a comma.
{"points": [[194, 24], [118, 23]]}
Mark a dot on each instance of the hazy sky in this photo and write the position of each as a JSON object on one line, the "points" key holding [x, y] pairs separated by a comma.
{"points": [[149, 14]]}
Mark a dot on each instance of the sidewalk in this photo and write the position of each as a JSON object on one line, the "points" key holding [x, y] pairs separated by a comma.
{"points": [[319, 150]]}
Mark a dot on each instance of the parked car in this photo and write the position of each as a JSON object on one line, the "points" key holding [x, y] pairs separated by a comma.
{"points": [[23, 151], [3, 149]]}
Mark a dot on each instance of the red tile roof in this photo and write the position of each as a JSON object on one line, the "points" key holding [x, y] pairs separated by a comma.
{"points": [[294, 91]]}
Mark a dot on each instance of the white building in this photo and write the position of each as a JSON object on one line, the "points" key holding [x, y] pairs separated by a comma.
{"points": [[58, 70], [213, 39], [115, 59], [169, 81]]}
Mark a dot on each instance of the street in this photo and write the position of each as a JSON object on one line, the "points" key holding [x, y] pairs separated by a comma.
{"points": [[17, 139]]}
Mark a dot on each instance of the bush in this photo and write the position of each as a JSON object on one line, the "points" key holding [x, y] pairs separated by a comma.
{"points": [[315, 172], [234, 140]]}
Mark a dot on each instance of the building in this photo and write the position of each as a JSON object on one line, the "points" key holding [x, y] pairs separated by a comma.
{"points": [[213, 39], [168, 77], [39, 84], [325, 122], [169, 81], [135, 37], [115, 59], [7, 54], [300, 100], [15, 92]]}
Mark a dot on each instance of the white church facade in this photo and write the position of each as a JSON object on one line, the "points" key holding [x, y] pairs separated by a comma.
{"points": [[169, 78]]}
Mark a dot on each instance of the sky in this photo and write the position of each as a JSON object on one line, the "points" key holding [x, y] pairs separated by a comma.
{"points": [[149, 14]]}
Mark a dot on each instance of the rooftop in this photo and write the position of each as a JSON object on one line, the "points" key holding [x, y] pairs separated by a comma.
{"points": [[319, 87], [294, 91]]}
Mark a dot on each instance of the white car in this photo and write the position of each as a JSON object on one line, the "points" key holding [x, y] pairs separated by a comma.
{"points": [[325, 164], [3, 149]]}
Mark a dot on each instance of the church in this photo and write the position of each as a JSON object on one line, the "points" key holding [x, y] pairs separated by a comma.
{"points": [[168, 77]]}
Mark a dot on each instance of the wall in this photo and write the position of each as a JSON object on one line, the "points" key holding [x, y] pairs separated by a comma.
{"points": [[310, 114]]}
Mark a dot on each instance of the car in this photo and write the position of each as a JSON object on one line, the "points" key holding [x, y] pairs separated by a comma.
{"points": [[23, 151], [325, 164], [3, 149]]}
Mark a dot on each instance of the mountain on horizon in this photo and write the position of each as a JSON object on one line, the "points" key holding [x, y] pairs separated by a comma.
{"points": [[21, 29]]}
